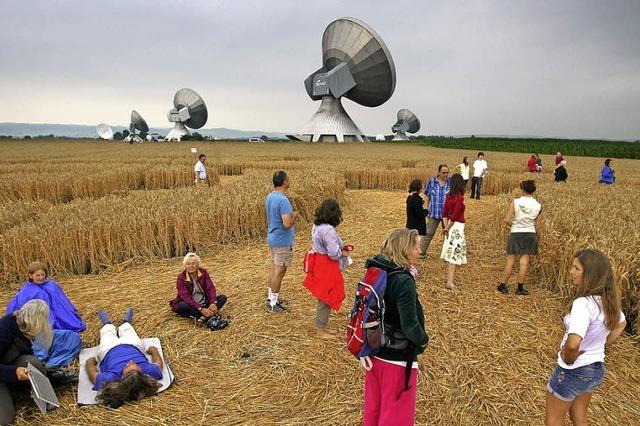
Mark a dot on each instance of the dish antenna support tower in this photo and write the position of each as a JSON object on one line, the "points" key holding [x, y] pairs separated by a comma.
{"points": [[189, 110], [407, 122], [357, 65]]}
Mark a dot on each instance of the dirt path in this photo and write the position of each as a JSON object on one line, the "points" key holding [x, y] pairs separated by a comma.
{"points": [[488, 361]]}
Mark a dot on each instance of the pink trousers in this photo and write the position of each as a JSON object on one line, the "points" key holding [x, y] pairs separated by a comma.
{"points": [[385, 400]]}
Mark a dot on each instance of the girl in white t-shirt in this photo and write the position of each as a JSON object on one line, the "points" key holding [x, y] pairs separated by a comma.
{"points": [[463, 169], [594, 321]]}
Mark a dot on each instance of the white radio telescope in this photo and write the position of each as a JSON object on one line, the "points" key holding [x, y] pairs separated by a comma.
{"points": [[104, 131], [357, 65], [407, 122], [189, 110], [138, 128]]}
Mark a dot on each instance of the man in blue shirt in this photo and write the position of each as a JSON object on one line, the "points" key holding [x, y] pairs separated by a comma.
{"points": [[125, 373], [280, 235], [435, 191]]}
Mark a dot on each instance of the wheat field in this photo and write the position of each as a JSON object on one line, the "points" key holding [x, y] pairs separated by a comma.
{"points": [[106, 214]]}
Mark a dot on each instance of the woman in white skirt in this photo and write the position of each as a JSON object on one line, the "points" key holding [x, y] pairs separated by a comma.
{"points": [[525, 217], [454, 248]]}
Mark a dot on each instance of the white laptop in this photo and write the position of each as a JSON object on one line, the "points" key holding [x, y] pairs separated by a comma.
{"points": [[41, 390]]}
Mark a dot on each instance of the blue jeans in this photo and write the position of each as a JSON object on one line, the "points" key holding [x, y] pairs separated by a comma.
{"points": [[567, 384]]}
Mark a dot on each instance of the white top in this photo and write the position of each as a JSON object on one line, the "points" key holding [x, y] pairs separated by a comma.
{"points": [[526, 210], [464, 171], [587, 321], [479, 166], [199, 168]]}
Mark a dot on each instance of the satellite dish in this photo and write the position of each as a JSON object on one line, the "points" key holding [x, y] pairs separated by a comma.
{"points": [[104, 131], [189, 111], [138, 128], [356, 65], [407, 122]]}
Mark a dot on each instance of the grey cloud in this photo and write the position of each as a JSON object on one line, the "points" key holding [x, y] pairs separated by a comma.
{"points": [[490, 67]]}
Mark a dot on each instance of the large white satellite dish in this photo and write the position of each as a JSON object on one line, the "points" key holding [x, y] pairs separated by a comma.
{"points": [[407, 123], [138, 128], [189, 110], [104, 131], [356, 65]]}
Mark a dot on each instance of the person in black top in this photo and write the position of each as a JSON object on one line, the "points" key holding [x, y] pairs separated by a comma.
{"points": [[416, 213], [17, 331], [561, 174]]}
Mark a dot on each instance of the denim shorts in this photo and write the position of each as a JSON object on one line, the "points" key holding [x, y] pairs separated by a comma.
{"points": [[566, 384]]}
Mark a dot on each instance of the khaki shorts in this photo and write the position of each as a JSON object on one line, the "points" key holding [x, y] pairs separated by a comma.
{"points": [[282, 256]]}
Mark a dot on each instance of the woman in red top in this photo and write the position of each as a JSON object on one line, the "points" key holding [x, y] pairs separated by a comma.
{"points": [[532, 165], [454, 248]]}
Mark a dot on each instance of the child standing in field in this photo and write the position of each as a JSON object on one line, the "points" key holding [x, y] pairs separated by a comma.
{"points": [[525, 217], [417, 214], [454, 248], [325, 263], [593, 322]]}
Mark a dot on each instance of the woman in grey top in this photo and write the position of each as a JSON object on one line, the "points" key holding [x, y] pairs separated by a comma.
{"points": [[324, 264]]}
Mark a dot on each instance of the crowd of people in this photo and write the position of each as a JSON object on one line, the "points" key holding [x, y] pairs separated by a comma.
{"points": [[42, 326]]}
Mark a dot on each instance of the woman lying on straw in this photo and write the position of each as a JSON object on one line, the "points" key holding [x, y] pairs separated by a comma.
{"points": [[593, 322], [324, 264], [390, 385], [197, 296], [125, 372], [17, 331]]}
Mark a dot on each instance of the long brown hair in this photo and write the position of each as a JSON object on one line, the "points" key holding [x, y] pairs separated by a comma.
{"points": [[133, 386], [598, 280]]}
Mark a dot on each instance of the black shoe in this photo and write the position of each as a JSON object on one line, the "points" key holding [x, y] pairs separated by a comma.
{"points": [[278, 307], [62, 377], [502, 288], [521, 292]]}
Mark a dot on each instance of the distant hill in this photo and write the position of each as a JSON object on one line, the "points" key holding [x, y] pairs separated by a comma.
{"points": [[20, 130]]}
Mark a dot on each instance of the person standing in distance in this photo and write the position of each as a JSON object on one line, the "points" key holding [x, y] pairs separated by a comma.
{"points": [[280, 235], [479, 169], [436, 191], [200, 172]]}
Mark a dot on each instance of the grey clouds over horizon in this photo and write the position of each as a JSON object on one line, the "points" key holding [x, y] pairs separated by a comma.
{"points": [[566, 68]]}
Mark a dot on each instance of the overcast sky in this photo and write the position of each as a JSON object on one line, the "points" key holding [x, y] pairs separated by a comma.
{"points": [[546, 68]]}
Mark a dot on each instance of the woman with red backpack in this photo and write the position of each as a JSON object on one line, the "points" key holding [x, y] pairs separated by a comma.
{"points": [[390, 382]]}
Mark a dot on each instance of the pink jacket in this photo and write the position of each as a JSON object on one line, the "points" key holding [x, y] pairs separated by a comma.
{"points": [[185, 289]]}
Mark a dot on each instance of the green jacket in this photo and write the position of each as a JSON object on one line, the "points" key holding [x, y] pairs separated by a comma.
{"points": [[402, 311]]}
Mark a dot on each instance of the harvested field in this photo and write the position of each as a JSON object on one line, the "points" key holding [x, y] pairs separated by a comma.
{"points": [[490, 355]]}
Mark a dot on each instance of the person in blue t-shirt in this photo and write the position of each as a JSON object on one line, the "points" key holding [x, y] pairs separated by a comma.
{"points": [[125, 373], [280, 234]]}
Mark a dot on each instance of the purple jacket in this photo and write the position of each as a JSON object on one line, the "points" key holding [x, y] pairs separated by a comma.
{"points": [[185, 289]]}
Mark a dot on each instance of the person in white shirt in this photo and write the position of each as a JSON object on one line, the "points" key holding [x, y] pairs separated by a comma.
{"points": [[594, 321], [524, 215], [479, 170], [463, 169], [200, 172]]}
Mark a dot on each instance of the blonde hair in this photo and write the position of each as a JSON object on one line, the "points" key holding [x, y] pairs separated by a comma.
{"points": [[33, 321], [190, 255], [398, 245], [598, 279], [37, 266]]}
